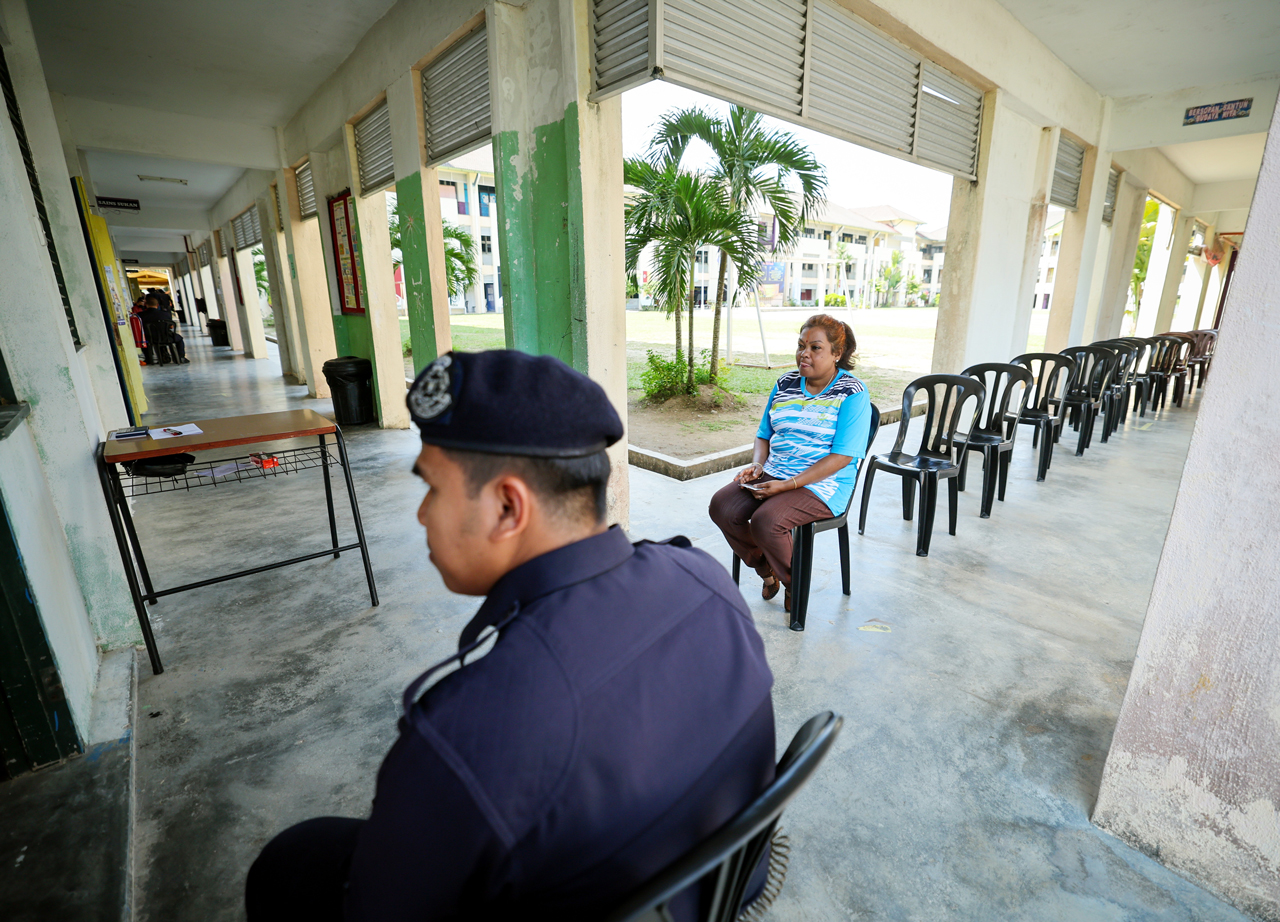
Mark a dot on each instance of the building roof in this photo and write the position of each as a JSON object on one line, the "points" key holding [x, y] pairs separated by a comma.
{"points": [[887, 214], [479, 160], [934, 233]]}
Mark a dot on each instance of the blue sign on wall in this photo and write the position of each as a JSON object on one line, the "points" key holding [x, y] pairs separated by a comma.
{"points": [[1218, 111], [775, 273]]}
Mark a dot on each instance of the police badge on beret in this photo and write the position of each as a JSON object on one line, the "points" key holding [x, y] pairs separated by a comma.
{"points": [[432, 393]]}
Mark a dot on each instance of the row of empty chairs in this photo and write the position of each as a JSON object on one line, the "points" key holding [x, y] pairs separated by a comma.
{"points": [[1044, 390]]}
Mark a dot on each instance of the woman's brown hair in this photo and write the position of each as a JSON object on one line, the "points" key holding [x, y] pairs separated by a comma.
{"points": [[839, 334]]}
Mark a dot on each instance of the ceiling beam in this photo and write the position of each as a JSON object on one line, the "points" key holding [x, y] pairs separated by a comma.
{"points": [[1223, 196], [1156, 121], [104, 126], [187, 220]]}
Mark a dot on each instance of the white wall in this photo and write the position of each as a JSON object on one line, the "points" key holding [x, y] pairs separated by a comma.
{"points": [[1194, 768]]}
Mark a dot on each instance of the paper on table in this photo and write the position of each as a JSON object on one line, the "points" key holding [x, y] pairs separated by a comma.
{"points": [[172, 432]]}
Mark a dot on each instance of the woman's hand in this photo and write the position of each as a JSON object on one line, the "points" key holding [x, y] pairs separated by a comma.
{"points": [[752, 471], [771, 488]]}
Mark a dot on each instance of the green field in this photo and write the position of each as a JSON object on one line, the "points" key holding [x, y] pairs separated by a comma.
{"points": [[895, 345]]}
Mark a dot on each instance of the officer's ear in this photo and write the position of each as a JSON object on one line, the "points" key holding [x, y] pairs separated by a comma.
{"points": [[514, 501]]}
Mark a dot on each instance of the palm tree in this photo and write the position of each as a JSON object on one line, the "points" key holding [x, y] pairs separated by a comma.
{"points": [[891, 274], [755, 165], [461, 267], [678, 212], [260, 272]]}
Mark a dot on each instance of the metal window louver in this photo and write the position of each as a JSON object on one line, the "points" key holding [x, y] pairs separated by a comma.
{"points": [[275, 198], [809, 61], [33, 180], [1109, 203], [203, 253], [306, 190], [373, 150], [238, 234], [246, 229], [1068, 167], [222, 243], [455, 97]]}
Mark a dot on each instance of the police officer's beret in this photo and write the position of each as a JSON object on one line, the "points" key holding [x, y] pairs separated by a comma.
{"points": [[511, 403]]}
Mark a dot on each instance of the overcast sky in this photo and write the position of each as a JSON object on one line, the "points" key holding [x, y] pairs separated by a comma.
{"points": [[856, 176]]}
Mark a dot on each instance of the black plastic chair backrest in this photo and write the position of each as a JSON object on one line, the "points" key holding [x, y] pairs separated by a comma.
{"points": [[1000, 381], [1126, 353], [1164, 353], [947, 396], [1095, 367], [1053, 374], [733, 852], [871, 437], [1142, 355]]}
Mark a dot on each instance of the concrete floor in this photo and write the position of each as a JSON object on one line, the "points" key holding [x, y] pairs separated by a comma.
{"points": [[979, 686]]}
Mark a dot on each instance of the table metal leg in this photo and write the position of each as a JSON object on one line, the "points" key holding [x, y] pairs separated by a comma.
{"points": [[107, 476], [150, 595], [355, 513], [328, 498]]}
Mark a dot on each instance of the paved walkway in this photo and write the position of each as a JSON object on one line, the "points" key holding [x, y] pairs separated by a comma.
{"points": [[979, 686]]}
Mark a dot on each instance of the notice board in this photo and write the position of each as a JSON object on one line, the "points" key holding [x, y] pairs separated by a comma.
{"points": [[342, 221]]}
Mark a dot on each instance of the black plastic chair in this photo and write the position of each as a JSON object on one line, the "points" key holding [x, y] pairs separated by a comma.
{"points": [[1166, 351], [947, 396], [1201, 357], [1090, 391], [992, 436], [1118, 391], [1139, 376], [1052, 374], [1181, 375], [725, 862], [161, 343], [802, 545]]}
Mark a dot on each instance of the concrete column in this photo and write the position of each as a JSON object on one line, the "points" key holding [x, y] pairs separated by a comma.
{"points": [[225, 288], [378, 291], [1126, 223], [986, 235], [1157, 269], [96, 354], [310, 290], [1183, 227], [1193, 775], [252, 333], [212, 295], [426, 287], [1037, 218], [1078, 252], [473, 214], [279, 303], [558, 160], [45, 372], [281, 283]]}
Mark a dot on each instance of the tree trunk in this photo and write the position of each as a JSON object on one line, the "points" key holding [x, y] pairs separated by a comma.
{"points": [[693, 299], [679, 353], [715, 320]]}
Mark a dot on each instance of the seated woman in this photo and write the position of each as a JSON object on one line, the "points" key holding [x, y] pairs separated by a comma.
{"points": [[815, 423]]}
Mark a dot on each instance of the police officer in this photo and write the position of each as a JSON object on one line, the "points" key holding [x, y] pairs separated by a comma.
{"points": [[609, 705]]}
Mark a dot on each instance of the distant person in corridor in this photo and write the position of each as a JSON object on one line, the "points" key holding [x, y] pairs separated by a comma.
{"points": [[815, 424], [157, 312]]}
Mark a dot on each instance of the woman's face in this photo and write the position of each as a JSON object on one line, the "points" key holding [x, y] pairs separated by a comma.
{"points": [[814, 356]]}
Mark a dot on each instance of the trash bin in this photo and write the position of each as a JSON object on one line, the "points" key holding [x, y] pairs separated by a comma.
{"points": [[218, 332], [350, 382]]}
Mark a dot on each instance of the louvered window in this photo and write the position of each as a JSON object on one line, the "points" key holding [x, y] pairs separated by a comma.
{"points": [[275, 197], [809, 61], [1109, 203], [246, 229], [222, 243], [28, 161], [306, 190], [1067, 170], [373, 150], [203, 253], [455, 98]]}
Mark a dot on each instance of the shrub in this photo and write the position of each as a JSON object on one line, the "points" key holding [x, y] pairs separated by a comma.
{"points": [[664, 378], [834, 300]]}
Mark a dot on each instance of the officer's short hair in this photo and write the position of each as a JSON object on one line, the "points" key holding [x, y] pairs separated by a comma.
{"points": [[577, 488]]}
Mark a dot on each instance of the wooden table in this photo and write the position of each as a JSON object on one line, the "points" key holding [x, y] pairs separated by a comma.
{"points": [[220, 433]]}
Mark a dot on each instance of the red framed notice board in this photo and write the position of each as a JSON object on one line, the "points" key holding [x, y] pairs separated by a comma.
{"points": [[342, 222]]}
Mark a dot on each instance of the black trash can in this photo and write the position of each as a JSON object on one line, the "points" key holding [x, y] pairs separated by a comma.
{"points": [[218, 332], [350, 382]]}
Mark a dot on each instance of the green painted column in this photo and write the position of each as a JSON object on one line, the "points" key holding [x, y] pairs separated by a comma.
{"points": [[422, 248], [558, 175]]}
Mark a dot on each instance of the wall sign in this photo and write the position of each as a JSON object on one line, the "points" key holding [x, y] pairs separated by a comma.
{"points": [[120, 204], [342, 222], [1218, 111]]}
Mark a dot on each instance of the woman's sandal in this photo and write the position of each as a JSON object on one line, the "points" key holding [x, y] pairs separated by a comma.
{"points": [[769, 590]]}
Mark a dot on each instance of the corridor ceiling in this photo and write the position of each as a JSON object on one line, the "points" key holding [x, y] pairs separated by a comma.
{"points": [[116, 174], [1140, 47], [238, 60]]}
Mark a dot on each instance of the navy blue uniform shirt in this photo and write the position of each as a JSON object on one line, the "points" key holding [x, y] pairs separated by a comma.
{"points": [[622, 715]]}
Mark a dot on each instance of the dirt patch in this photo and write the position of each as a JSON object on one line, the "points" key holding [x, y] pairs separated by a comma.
{"points": [[687, 427]]}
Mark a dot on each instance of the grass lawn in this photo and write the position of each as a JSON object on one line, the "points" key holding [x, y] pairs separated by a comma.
{"points": [[895, 344]]}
